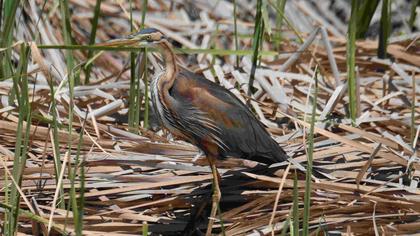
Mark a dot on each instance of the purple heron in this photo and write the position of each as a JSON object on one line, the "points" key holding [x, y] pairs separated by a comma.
{"points": [[203, 113]]}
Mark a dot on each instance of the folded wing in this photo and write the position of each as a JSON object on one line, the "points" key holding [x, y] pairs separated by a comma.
{"points": [[219, 123]]}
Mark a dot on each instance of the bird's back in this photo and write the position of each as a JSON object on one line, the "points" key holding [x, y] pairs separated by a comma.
{"points": [[212, 118]]}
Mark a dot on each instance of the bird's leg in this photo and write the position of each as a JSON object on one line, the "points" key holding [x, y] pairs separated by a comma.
{"points": [[216, 194]]}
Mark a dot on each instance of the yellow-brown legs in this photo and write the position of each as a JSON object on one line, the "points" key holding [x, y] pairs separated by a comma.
{"points": [[216, 195]]}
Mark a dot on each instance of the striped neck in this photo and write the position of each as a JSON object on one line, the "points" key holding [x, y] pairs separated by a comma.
{"points": [[171, 68]]}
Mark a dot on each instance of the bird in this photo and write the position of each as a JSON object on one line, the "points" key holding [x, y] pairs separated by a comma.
{"points": [[203, 113]]}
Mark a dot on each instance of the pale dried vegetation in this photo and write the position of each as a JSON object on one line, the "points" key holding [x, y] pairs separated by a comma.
{"points": [[365, 178]]}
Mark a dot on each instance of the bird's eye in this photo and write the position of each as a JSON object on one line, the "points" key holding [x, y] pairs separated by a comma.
{"points": [[148, 38]]}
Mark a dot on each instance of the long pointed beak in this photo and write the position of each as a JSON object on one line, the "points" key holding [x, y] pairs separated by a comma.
{"points": [[119, 42]]}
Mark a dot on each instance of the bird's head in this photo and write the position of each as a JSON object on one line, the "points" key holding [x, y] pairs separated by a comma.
{"points": [[145, 37]]}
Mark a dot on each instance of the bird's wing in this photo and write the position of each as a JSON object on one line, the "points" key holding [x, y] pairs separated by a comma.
{"points": [[212, 113]]}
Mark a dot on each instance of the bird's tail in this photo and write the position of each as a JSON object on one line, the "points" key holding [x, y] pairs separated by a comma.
{"points": [[279, 154], [276, 154]]}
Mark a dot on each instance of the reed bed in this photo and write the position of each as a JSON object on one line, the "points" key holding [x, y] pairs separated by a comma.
{"points": [[86, 161]]}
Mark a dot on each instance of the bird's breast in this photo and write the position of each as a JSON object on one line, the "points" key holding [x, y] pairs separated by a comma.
{"points": [[163, 114]]}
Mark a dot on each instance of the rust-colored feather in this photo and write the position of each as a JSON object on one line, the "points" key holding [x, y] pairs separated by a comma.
{"points": [[217, 122]]}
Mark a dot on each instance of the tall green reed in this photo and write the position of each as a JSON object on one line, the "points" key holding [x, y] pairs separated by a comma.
{"points": [[20, 88], [134, 93], [92, 37], [145, 72], [413, 12], [364, 16], [351, 61], [295, 207], [6, 37], [281, 5], [256, 43], [235, 32], [308, 180], [385, 28]]}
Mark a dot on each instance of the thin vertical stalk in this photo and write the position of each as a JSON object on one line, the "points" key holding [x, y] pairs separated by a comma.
{"points": [[385, 28], [286, 225], [2, 75], [146, 91], [145, 74], [351, 61], [134, 107], [213, 46], [65, 21], [256, 42], [95, 19], [307, 198], [143, 13], [288, 23], [6, 36], [364, 16], [68, 40], [295, 208], [145, 228], [235, 27], [413, 112], [54, 127], [82, 191], [413, 13], [20, 85], [281, 4], [77, 204], [1, 14], [137, 103]]}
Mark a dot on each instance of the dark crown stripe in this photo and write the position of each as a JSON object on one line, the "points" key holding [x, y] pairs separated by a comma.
{"points": [[148, 31]]}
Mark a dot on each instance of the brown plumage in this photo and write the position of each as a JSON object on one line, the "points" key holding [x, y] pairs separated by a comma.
{"points": [[212, 118], [204, 113], [208, 115]]}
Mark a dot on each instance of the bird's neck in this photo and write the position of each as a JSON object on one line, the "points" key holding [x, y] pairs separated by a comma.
{"points": [[171, 68]]}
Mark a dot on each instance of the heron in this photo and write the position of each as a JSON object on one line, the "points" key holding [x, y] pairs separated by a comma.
{"points": [[203, 113]]}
